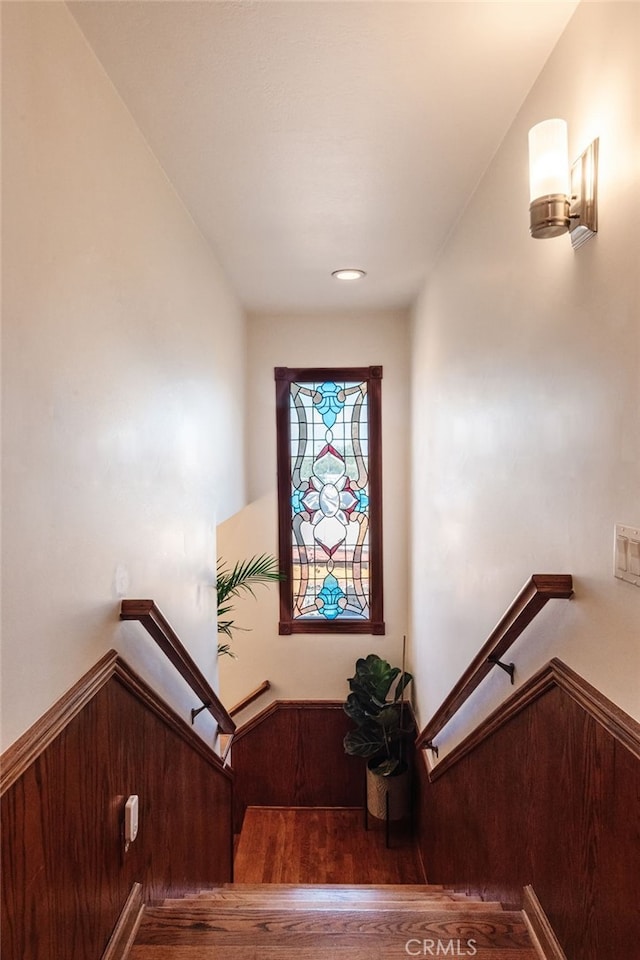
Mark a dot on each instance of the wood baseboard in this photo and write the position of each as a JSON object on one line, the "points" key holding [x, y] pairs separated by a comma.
{"points": [[540, 930], [125, 930]]}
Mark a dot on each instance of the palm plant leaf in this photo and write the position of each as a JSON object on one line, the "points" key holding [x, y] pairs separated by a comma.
{"points": [[225, 649], [232, 582], [244, 574]]}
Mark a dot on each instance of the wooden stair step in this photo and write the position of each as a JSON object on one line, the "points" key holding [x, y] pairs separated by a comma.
{"points": [[322, 930], [364, 887], [275, 903], [346, 894], [335, 951], [336, 897]]}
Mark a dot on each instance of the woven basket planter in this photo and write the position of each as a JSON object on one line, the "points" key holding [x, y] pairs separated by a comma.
{"points": [[396, 787]]}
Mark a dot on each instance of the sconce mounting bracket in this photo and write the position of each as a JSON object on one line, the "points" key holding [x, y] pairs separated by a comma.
{"points": [[584, 196]]}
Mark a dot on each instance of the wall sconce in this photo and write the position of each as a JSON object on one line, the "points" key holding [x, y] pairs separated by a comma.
{"points": [[561, 201]]}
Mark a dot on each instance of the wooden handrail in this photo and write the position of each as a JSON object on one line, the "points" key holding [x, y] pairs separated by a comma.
{"points": [[250, 697], [531, 599], [167, 639]]}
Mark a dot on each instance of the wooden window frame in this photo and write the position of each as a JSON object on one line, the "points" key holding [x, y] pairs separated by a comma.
{"points": [[284, 376]]}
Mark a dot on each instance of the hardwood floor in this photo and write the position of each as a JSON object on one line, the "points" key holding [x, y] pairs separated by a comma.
{"points": [[322, 845]]}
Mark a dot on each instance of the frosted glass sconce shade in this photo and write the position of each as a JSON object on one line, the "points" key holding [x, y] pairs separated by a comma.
{"points": [[561, 199], [549, 179], [548, 159]]}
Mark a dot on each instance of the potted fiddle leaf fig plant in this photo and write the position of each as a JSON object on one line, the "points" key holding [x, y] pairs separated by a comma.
{"points": [[241, 578], [376, 705]]}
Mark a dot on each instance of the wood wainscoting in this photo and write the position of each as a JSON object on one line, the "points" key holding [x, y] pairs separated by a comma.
{"points": [[546, 792], [291, 755], [66, 875]]}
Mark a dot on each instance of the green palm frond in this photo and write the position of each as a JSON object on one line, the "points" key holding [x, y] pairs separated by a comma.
{"points": [[241, 578], [245, 573], [225, 649]]}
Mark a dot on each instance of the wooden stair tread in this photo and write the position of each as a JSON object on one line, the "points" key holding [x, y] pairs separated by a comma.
{"points": [[337, 896], [354, 951], [489, 927], [363, 887], [337, 921], [415, 905], [485, 939], [315, 894]]}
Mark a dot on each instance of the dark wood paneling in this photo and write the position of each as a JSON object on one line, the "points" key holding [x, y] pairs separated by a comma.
{"points": [[18, 757], [550, 797], [66, 875], [292, 755]]}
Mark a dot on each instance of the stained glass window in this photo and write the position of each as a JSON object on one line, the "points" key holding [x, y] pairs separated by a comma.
{"points": [[330, 504]]}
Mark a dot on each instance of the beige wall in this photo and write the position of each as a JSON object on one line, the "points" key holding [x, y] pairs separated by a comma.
{"points": [[123, 400], [316, 666], [123, 354], [526, 373]]}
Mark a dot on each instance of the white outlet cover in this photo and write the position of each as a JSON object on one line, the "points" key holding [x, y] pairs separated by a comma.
{"points": [[626, 553], [131, 819]]}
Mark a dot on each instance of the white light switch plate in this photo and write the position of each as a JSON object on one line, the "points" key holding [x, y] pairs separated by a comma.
{"points": [[626, 553]]}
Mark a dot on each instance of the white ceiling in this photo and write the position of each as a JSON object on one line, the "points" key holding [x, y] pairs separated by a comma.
{"points": [[309, 135]]}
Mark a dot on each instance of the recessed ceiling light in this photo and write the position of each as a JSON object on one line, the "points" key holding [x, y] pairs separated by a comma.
{"points": [[348, 273]]}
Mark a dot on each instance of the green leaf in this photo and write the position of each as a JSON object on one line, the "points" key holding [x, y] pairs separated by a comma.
{"points": [[389, 720], [354, 709], [369, 702], [225, 650], [245, 573], [376, 676], [230, 583], [402, 684], [379, 735], [366, 741]]}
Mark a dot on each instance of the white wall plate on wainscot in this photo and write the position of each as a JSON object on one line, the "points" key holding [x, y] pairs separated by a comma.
{"points": [[626, 553]]}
